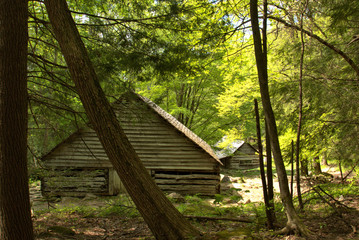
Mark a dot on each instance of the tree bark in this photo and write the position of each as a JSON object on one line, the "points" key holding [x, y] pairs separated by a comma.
{"points": [[340, 169], [316, 166], [270, 174], [304, 167], [161, 216], [292, 170], [261, 166], [300, 113], [270, 207], [293, 224], [15, 214]]}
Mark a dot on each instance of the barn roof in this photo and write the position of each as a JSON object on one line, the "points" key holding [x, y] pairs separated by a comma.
{"points": [[180, 127], [166, 116]]}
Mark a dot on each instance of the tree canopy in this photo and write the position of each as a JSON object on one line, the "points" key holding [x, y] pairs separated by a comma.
{"points": [[195, 59]]}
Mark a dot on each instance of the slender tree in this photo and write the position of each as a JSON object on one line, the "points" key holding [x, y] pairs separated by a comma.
{"points": [[300, 109], [291, 169], [270, 174], [293, 222], [161, 216], [261, 166], [15, 215]]}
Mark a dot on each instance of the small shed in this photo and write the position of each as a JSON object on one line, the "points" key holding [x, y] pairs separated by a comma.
{"points": [[177, 159], [239, 155]]}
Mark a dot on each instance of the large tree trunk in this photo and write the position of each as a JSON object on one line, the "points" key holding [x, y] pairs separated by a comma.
{"points": [[15, 215], [293, 224], [161, 216]]}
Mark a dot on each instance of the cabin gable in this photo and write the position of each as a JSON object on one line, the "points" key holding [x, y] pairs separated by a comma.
{"points": [[245, 157], [239, 155]]}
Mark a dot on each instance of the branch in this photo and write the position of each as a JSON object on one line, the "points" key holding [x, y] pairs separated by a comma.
{"points": [[35, 56], [121, 20], [340, 122], [347, 175], [331, 197], [319, 39]]}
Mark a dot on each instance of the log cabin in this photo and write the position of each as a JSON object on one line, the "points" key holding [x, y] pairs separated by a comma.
{"points": [[239, 155], [177, 159]]}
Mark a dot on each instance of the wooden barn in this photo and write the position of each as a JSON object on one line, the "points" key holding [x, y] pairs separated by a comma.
{"points": [[239, 155], [177, 159]]}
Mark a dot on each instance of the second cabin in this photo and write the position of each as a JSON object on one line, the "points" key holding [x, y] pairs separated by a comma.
{"points": [[177, 159], [239, 155]]}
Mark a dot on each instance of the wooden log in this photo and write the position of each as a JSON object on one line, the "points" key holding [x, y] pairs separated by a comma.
{"points": [[188, 176], [219, 218], [185, 181], [191, 189]]}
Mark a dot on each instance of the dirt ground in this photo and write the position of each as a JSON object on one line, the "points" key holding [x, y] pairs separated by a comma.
{"points": [[51, 226]]}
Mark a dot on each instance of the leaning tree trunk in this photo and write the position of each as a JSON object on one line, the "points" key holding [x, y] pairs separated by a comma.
{"points": [[161, 216], [15, 215], [293, 222]]}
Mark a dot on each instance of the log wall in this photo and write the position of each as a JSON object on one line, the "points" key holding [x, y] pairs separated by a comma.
{"points": [[75, 182], [244, 158]]}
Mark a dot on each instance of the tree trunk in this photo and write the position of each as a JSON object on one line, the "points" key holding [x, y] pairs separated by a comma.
{"points": [[270, 174], [324, 161], [261, 166], [300, 113], [304, 167], [316, 166], [292, 170], [340, 169], [15, 215], [161, 216], [293, 224]]}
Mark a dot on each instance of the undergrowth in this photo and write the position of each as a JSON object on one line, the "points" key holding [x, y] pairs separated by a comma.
{"points": [[220, 205]]}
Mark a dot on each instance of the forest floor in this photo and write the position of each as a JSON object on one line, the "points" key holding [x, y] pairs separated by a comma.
{"points": [[117, 218]]}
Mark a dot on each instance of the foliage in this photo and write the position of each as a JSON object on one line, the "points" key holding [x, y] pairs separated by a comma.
{"points": [[328, 82], [195, 60], [122, 206]]}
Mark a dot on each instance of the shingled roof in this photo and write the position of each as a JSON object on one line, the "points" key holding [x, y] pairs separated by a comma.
{"points": [[180, 127], [230, 150]]}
